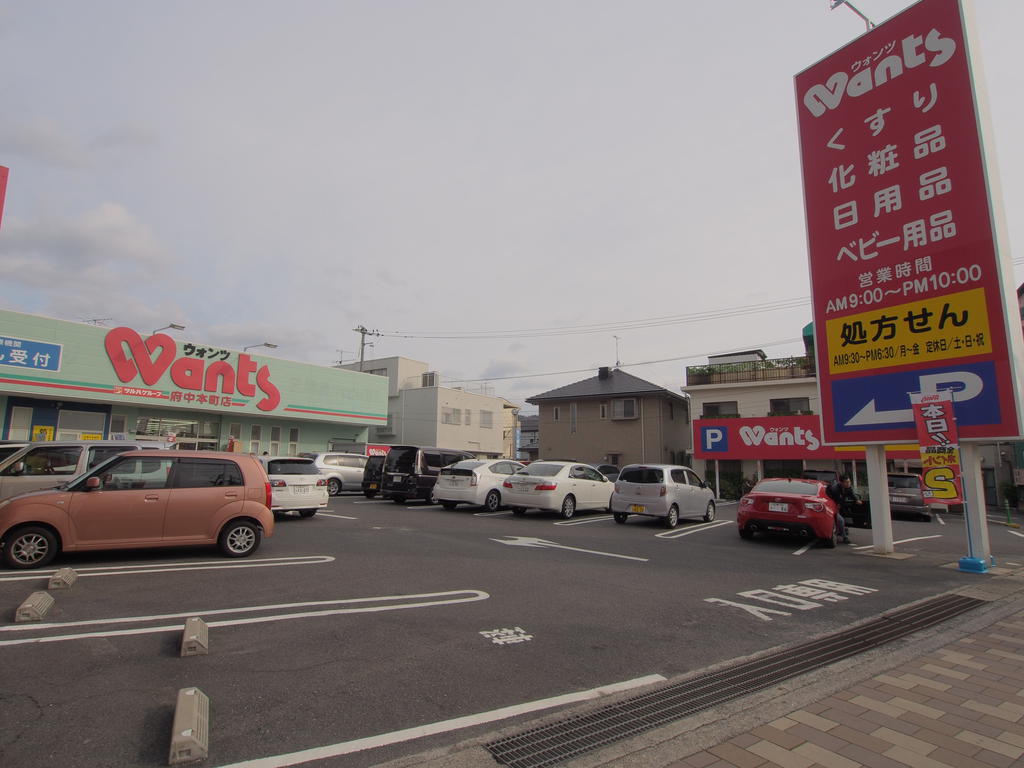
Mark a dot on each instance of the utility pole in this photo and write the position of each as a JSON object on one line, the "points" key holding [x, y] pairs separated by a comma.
{"points": [[363, 333], [833, 4], [616, 351]]}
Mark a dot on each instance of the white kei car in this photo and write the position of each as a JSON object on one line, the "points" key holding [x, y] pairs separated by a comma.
{"points": [[475, 481], [557, 486], [296, 483], [668, 491]]}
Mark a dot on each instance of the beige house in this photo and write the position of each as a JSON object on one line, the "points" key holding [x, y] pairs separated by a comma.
{"points": [[613, 418]]}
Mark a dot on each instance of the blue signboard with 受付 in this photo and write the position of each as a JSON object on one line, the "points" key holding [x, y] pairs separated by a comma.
{"points": [[29, 355]]}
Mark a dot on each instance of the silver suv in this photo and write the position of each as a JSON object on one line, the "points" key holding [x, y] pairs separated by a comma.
{"points": [[344, 471]]}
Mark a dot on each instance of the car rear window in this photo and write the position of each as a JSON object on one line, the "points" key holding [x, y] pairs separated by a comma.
{"points": [[401, 460], [904, 482], [541, 470], [788, 486], [292, 467], [642, 475]]}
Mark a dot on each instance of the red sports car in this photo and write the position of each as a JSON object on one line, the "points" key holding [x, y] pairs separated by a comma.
{"points": [[793, 506]]}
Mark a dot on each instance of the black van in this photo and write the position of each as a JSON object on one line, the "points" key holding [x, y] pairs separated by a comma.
{"points": [[410, 471], [373, 475]]}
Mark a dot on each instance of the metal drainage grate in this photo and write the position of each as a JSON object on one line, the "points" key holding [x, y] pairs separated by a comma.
{"points": [[557, 742]]}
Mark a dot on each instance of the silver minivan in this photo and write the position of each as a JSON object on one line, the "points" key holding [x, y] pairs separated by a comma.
{"points": [[54, 462], [344, 471], [668, 491]]}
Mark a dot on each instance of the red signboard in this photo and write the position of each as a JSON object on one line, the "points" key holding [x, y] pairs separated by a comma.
{"points": [[3, 190], [773, 437], [906, 279]]}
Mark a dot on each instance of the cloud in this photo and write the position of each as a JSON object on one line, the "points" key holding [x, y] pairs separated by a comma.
{"points": [[41, 140], [44, 142], [103, 262]]}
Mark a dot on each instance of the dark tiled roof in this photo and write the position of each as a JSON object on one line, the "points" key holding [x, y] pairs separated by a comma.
{"points": [[618, 383]]}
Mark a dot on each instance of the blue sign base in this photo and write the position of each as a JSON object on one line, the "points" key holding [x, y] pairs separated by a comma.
{"points": [[973, 565]]}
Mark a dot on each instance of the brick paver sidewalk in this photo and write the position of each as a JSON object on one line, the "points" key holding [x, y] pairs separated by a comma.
{"points": [[960, 706]]}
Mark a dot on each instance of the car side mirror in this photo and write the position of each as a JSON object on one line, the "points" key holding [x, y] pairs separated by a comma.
{"points": [[18, 468], [92, 483]]}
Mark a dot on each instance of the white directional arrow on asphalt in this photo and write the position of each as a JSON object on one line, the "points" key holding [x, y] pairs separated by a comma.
{"points": [[524, 541]]}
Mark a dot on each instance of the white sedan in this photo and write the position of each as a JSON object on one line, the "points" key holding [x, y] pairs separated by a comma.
{"points": [[558, 486], [296, 484], [475, 482]]}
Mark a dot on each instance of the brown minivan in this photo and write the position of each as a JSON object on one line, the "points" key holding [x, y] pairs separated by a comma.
{"points": [[146, 498]]}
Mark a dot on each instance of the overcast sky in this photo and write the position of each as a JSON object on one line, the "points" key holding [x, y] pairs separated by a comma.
{"points": [[287, 171]]}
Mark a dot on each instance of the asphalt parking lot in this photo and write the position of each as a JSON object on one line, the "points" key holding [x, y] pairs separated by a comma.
{"points": [[349, 629]]}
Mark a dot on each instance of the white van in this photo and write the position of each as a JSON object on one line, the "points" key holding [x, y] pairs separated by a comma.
{"points": [[52, 463]]}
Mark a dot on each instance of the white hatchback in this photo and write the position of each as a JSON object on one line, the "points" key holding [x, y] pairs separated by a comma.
{"points": [[557, 486], [668, 491], [476, 482], [296, 484]]}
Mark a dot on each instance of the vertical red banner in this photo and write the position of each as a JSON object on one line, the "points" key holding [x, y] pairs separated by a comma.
{"points": [[3, 190], [940, 447]]}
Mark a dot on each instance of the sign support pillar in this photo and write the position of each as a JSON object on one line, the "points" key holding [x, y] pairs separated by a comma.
{"points": [[878, 495], [979, 553]]}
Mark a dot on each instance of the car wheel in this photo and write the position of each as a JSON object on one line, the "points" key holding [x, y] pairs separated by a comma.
{"points": [[29, 547], [449, 505], [369, 494], [239, 538], [493, 501], [830, 541], [568, 507], [709, 513], [307, 512], [398, 499], [926, 518], [746, 533], [620, 517], [518, 510], [333, 486], [672, 518]]}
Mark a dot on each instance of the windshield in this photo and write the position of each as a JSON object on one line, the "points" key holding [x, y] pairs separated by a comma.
{"points": [[801, 487], [401, 460], [292, 467], [541, 470], [642, 475], [905, 482]]}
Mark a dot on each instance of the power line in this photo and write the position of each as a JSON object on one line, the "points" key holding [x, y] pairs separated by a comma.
{"points": [[624, 365], [574, 330]]}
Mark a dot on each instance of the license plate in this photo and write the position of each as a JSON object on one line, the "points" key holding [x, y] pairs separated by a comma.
{"points": [[778, 506], [637, 509], [373, 486], [300, 488], [897, 499]]}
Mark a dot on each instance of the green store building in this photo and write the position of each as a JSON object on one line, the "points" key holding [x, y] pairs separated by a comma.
{"points": [[61, 380]]}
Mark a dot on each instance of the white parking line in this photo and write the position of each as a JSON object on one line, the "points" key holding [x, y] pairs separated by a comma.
{"points": [[939, 518], [492, 514], [584, 520], [472, 596], [1015, 533], [804, 548], [338, 517], [675, 533], [904, 541], [202, 565], [444, 726]]}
